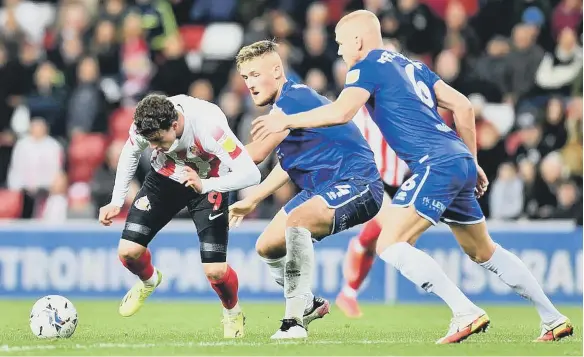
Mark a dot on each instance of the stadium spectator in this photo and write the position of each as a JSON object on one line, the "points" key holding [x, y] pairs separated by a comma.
{"points": [[530, 133], [316, 80], [56, 206], [105, 48], [136, 65], [567, 14], [36, 162], [207, 11], [554, 130], [558, 70], [491, 152], [493, 66], [544, 201], [158, 22], [524, 60], [25, 20], [568, 199], [173, 76], [506, 199], [47, 99], [104, 177], [456, 25], [114, 11], [315, 53], [231, 104], [317, 15], [202, 89], [86, 102], [421, 30]]}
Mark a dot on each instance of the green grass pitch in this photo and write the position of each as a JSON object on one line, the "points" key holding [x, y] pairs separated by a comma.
{"points": [[182, 328]]}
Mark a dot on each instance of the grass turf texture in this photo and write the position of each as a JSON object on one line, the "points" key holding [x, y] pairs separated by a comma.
{"points": [[169, 328]]}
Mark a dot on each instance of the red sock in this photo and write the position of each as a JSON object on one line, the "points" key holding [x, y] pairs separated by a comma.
{"points": [[364, 263], [226, 288], [142, 267], [369, 235]]}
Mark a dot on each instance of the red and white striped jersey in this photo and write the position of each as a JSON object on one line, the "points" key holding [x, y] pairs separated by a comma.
{"points": [[207, 145], [391, 168]]}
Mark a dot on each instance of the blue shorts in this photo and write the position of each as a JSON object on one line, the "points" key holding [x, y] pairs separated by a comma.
{"points": [[443, 191], [354, 201]]}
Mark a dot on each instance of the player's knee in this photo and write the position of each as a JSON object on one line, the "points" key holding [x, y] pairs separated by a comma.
{"points": [[129, 250], [269, 250], [481, 254], [215, 271], [388, 238]]}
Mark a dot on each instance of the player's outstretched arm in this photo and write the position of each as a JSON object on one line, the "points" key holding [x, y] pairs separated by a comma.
{"points": [[259, 150], [339, 112], [276, 179], [127, 165]]}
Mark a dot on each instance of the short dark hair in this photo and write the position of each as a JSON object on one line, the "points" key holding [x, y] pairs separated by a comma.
{"points": [[155, 112]]}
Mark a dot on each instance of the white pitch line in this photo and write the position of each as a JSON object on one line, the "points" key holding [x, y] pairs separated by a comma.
{"points": [[8, 349]]}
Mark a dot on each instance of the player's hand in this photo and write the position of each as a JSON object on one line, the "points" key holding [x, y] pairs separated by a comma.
{"points": [[107, 213], [265, 125], [240, 209], [192, 179], [482, 182]]}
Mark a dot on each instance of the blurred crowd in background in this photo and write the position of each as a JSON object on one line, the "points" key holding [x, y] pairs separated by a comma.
{"points": [[71, 72]]}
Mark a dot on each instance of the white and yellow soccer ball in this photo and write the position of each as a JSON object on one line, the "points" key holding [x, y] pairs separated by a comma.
{"points": [[53, 316]]}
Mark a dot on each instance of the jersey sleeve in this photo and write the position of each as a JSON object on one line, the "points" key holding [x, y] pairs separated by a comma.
{"points": [[431, 77], [362, 75], [217, 138], [127, 165]]}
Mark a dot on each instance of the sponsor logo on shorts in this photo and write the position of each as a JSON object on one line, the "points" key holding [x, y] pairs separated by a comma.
{"points": [[212, 216], [142, 203], [434, 204]]}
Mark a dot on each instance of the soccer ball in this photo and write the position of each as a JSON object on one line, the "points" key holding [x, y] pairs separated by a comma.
{"points": [[53, 316]]}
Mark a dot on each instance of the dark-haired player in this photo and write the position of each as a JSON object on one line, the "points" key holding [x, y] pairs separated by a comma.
{"points": [[196, 159]]}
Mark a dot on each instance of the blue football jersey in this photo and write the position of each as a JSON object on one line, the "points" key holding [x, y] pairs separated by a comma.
{"points": [[320, 156], [405, 107]]}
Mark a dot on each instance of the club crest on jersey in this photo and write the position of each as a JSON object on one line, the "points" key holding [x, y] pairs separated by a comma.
{"points": [[194, 150], [142, 203], [352, 76]]}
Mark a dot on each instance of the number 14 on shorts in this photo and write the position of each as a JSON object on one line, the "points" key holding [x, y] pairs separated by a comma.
{"points": [[341, 191]]}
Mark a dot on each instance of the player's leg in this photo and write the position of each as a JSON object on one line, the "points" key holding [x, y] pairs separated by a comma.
{"points": [[420, 203], [210, 215], [154, 206], [358, 262], [467, 223], [299, 261], [271, 247], [333, 209]]}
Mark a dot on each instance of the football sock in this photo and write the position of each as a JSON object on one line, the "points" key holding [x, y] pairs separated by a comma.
{"points": [[513, 272], [369, 234], [226, 288], [363, 261], [142, 267], [298, 271], [276, 267], [422, 270]]}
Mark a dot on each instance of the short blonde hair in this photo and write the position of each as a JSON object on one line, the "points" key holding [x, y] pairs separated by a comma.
{"points": [[256, 49]]}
